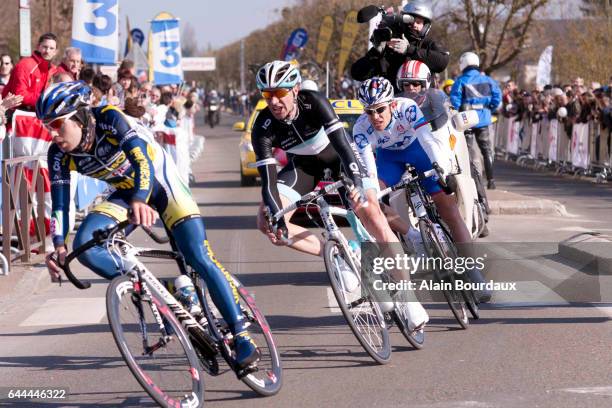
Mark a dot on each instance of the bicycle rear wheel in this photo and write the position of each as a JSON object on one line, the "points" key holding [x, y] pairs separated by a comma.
{"points": [[437, 249], [362, 314], [163, 361]]}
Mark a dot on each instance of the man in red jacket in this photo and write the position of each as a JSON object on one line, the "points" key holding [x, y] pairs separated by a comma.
{"points": [[72, 63], [32, 74]]}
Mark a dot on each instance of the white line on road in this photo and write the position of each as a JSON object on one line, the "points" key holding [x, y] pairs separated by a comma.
{"points": [[605, 391], [65, 312]]}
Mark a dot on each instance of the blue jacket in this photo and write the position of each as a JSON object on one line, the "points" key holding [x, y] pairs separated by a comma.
{"points": [[473, 90]]}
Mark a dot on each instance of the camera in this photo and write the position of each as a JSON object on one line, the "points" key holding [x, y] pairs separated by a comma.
{"points": [[390, 25]]}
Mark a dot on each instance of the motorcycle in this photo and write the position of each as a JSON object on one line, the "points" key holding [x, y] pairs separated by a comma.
{"points": [[212, 112]]}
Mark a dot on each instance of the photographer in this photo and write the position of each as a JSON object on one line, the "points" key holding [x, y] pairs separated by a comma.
{"points": [[396, 42]]}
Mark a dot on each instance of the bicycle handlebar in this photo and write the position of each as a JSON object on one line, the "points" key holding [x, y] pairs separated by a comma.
{"points": [[99, 236], [306, 198]]}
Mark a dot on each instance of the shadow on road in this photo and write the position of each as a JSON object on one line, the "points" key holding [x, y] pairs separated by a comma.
{"points": [[216, 184], [251, 280]]}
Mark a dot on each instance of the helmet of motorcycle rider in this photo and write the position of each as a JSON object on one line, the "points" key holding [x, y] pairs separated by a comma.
{"points": [[467, 60]]}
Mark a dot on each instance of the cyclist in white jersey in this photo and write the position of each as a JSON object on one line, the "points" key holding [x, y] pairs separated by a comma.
{"points": [[396, 130]]}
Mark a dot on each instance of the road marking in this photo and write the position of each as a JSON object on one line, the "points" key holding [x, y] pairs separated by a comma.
{"points": [[65, 312], [535, 265], [574, 229], [528, 293], [605, 391], [332, 303], [605, 308]]}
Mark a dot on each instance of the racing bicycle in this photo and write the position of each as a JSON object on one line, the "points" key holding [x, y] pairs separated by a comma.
{"points": [[165, 347]]}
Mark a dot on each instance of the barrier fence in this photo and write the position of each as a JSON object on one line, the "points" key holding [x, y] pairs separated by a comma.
{"points": [[545, 143], [23, 201]]}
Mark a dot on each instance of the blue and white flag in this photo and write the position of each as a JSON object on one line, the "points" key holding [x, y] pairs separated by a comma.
{"points": [[296, 41], [166, 52], [95, 30]]}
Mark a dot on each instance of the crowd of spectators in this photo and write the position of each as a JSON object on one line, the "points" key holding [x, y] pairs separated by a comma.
{"points": [[569, 103]]}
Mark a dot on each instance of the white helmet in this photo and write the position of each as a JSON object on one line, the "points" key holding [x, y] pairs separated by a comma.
{"points": [[412, 71], [278, 74], [468, 59], [309, 85], [374, 91]]}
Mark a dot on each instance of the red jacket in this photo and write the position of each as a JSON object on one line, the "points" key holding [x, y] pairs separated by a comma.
{"points": [[29, 78], [62, 68]]}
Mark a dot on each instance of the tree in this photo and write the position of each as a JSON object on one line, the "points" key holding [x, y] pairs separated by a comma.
{"points": [[189, 41], [596, 8], [498, 30]]}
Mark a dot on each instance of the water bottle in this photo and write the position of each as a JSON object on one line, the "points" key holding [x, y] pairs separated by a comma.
{"points": [[356, 249], [186, 294]]}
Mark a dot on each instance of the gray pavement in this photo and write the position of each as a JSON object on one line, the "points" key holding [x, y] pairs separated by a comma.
{"points": [[519, 354]]}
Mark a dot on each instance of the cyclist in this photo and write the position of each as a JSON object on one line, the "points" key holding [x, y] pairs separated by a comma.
{"points": [[105, 144], [304, 124], [400, 134], [414, 78]]}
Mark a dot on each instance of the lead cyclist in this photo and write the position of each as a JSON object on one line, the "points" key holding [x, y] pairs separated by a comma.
{"points": [[105, 144]]}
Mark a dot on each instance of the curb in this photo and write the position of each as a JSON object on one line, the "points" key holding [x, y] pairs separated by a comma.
{"points": [[525, 207], [591, 250]]}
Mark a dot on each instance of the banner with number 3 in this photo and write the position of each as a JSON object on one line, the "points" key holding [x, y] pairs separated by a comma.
{"points": [[167, 67], [95, 30]]}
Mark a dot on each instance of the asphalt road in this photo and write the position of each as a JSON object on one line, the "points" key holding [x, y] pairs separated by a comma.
{"points": [[519, 354]]}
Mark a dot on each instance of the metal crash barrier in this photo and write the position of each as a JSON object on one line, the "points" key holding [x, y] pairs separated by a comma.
{"points": [[23, 209]]}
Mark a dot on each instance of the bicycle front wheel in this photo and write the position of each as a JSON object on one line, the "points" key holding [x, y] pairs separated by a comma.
{"points": [[363, 315], [162, 360], [437, 249]]}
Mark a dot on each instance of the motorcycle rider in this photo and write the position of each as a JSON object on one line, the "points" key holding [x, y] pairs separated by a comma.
{"points": [[477, 91]]}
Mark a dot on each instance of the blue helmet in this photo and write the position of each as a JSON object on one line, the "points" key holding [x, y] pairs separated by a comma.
{"points": [[62, 99], [374, 91]]}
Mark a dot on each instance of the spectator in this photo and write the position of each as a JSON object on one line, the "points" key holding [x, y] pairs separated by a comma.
{"points": [[87, 75], [32, 74], [6, 67], [103, 91], [447, 86], [127, 65], [72, 62], [62, 77], [125, 86]]}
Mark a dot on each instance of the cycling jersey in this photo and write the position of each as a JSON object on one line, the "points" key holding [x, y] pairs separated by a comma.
{"points": [[313, 140], [434, 105], [406, 139], [125, 155]]}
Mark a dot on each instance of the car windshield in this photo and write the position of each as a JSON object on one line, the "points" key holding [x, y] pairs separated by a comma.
{"points": [[349, 118]]}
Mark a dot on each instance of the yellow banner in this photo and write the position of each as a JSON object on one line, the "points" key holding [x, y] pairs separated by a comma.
{"points": [[325, 34], [349, 32]]}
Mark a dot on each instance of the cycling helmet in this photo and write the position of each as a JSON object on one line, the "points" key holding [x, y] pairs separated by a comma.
{"points": [[278, 74], [419, 8], [412, 71], [374, 91], [468, 59], [63, 99]]}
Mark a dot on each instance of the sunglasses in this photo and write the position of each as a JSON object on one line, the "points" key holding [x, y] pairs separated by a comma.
{"points": [[55, 124], [378, 110], [411, 83], [279, 93]]}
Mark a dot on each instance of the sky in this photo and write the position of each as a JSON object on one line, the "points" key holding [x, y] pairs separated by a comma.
{"points": [[216, 21]]}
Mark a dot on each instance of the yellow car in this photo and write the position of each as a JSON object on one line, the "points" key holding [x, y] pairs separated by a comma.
{"points": [[348, 110]]}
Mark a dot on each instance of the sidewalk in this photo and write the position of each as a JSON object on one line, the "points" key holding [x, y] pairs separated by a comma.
{"points": [[508, 203]]}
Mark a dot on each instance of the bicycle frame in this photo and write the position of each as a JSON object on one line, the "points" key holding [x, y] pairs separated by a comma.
{"points": [[149, 283]]}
